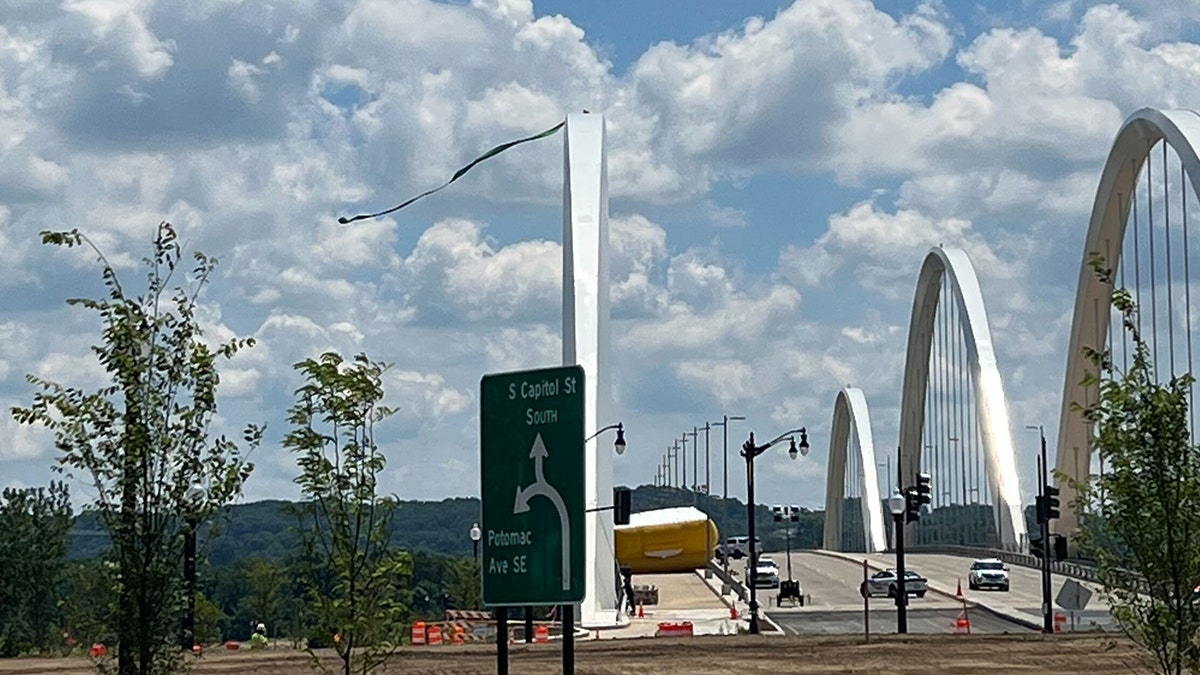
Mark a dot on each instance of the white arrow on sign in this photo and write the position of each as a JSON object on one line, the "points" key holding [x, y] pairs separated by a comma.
{"points": [[541, 488]]}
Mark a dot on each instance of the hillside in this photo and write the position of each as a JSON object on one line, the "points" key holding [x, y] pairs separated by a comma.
{"points": [[265, 528]]}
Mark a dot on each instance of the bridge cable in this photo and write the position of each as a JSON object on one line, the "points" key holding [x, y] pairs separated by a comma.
{"points": [[1170, 293], [1137, 260], [1153, 280], [1187, 297]]}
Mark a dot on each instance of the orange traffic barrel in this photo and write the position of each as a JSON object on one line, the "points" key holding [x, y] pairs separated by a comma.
{"points": [[541, 633], [457, 638], [418, 633], [434, 634]]}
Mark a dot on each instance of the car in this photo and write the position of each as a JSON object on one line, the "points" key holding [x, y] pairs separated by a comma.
{"points": [[885, 583], [988, 573], [766, 575], [738, 547]]}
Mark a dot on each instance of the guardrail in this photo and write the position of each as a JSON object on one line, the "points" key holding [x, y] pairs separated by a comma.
{"points": [[737, 586], [1069, 568]]}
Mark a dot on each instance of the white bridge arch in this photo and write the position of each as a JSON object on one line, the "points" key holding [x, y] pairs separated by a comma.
{"points": [[850, 413], [991, 407], [1179, 129]]}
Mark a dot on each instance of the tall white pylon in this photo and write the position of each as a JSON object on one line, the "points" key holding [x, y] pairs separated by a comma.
{"points": [[586, 342]]}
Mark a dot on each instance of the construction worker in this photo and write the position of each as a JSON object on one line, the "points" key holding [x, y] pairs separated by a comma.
{"points": [[258, 640]]}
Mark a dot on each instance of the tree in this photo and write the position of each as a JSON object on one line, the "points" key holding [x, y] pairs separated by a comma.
{"points": [[1143, 512], [34, 528], [463, 589], [345, 526], [143, 441], [264, 599]]}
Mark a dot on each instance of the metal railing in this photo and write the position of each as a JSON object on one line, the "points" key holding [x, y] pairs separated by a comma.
{"points": [[735, 585], [1078, 569]]}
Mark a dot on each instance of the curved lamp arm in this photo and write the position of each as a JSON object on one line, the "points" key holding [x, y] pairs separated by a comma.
{"points": [[750, 449], [619, 443]]}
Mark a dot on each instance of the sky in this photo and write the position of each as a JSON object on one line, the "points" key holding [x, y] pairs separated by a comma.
{"points": [[777, 170]]}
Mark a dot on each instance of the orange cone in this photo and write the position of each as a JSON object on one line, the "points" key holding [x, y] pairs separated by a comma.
{"points": [[641, 611], [959, 591], [733, 611]]}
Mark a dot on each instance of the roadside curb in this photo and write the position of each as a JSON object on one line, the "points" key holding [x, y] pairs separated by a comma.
{"points": [[1020, 618]]}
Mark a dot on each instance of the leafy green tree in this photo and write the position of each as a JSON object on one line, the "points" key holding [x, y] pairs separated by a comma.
{"points": [[34, 528], [1143, 512], [89, 600], [265, 597], [463, 590], [143, 441], [345, 525]]}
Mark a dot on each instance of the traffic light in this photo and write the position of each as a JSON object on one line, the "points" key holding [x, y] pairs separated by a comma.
{"points": [[1047, 504], [622, 505], [1051, 502], [912, 506], [916, 497], [777, 512], [795, 513], [1060, 547], [1035, 547]]}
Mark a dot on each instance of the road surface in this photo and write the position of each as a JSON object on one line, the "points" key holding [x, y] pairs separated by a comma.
{"points": [[945, 572], [834, 606]]}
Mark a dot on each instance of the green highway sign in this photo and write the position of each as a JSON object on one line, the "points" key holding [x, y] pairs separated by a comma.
{"points": [[531, 446]]}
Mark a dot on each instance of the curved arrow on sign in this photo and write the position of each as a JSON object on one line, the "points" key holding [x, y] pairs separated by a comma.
{"points": [[542, 488]]}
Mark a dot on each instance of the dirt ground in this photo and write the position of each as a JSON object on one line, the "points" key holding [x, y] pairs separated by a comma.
{"points": [[718, 655]]}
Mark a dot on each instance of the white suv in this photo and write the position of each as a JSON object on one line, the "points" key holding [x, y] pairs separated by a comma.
{"points": [[988, 573]]}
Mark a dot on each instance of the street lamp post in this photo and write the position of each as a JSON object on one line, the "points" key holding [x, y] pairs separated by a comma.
{"points": [[476, 535], [750, 451], [683, 462], [707, 475], [898, 505], [724, 424], [695, 459], [675, 469], [194, 495]]}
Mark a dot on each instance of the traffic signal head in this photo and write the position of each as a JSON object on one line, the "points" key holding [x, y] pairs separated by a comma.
{"points": [[795, 514], [1060, 547], [924, 489], [1052, 502], [912, 505], [1036, 549], [622, 505]]}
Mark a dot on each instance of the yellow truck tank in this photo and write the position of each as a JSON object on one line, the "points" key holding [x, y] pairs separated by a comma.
{"points": [[666, 540]]}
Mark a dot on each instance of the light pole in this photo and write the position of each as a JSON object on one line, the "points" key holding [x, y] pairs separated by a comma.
{"points": [[707, 475], [898, 506], [695, 459], [750, 451], [675, 469], [724, 424], [191, 499], [476, 535], [683, 440]]}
